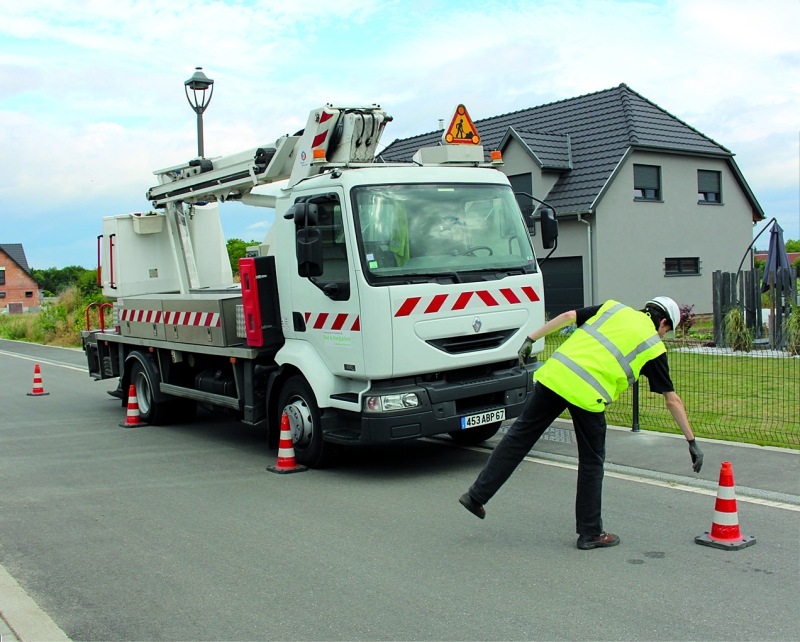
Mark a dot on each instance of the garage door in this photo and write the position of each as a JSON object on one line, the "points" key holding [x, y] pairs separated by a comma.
{"points": [[563, 284]]}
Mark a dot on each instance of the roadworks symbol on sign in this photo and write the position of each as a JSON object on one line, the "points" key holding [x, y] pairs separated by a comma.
{"points": [[462, 130]]}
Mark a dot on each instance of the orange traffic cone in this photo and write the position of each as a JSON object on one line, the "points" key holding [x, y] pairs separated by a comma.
{"points": [[38, 388], [725, 532], [132, 418], [286, 462]]}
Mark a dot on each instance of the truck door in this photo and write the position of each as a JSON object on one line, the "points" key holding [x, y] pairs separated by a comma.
{"points": [[326, 308]]}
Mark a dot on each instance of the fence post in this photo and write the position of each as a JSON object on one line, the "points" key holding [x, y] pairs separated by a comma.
{"points": [[635, 423], [716, 280]]}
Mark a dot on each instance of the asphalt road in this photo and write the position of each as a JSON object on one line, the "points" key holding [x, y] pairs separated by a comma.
{"points": [[178, 533]]}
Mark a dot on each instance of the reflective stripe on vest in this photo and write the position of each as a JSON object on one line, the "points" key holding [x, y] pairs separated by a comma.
{"points": [[609, 368]]}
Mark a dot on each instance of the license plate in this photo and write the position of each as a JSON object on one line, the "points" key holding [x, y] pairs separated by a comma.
{"points": [[483, 418]]}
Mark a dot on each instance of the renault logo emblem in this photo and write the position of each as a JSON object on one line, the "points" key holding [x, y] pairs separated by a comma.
{"points": [[476, 324]]}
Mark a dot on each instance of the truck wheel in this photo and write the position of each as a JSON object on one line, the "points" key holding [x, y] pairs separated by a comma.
{"points": [[150, 411], [297, 401], [473, 436]]}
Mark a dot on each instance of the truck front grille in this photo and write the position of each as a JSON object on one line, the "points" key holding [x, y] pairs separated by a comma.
{"points": [[472, 343]]}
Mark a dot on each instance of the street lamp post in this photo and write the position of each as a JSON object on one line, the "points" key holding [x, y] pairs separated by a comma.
{"points": [[199, 83]]}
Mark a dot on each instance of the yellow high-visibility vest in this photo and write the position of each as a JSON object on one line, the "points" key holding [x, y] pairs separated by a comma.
{"points": [[602, 357]]}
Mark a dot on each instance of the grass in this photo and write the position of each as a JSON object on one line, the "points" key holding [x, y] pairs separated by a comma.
{"points": [[57, 324], [751, 399]]}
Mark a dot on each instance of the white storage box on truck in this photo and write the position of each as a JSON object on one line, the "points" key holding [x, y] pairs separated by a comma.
{"points": [[387, 302]]}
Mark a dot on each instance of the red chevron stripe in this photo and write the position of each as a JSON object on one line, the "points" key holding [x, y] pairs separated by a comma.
{"points": [[487, 298], [462, 300], [408, 306], [436, 304]]}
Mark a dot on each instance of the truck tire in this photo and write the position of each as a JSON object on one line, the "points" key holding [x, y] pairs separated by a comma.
{"points": [[297, 400], [473, 436], [150, 411]]}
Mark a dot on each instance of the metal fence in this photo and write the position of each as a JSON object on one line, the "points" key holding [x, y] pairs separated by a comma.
{"points": [[750, 397]]}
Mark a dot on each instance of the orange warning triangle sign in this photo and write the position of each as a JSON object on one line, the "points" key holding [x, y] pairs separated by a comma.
{"points": [[462, 130]]}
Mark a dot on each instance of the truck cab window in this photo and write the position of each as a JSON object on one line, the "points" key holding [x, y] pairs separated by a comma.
{"points": [[335, 278]]}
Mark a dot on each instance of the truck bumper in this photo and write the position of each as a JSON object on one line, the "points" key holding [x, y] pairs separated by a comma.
{"points": [[443, 404]]}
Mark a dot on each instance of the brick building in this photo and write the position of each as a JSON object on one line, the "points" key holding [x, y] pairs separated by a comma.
{"points": [[18, 289]]}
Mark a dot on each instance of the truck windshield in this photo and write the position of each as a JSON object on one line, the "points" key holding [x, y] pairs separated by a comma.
{"points": [[440, 229]]}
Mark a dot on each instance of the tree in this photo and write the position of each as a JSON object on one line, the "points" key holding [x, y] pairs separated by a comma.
{"points": [[237, 249], [57, 280], [793, 245]]}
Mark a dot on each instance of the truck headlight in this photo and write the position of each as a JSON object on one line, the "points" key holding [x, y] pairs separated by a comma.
{"points": [[385, 403]]}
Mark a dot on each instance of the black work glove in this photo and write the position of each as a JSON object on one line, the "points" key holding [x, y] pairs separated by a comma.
{"points": [[697, 456], [525, 351]]}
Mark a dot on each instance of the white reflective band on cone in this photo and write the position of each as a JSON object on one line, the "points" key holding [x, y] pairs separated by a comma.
{"points": [[726, 492], [726, 519]]}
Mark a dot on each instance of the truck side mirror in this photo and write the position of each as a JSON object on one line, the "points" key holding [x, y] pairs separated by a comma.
{"points": [[305, 214], [309, 252], [308, 239], [549, 226]]}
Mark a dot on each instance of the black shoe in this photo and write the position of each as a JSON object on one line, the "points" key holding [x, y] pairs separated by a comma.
{"points": [[603, 540], [472, 506], [119, 394]]}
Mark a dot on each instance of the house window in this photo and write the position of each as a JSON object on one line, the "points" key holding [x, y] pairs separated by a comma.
{"points": [[29, 294], [709, 186], [647, 182], [2, 295], [2, 276], [682, 266]]}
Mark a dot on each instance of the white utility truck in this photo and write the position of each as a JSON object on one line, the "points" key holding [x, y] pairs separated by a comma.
{"points": [[387, 302]]}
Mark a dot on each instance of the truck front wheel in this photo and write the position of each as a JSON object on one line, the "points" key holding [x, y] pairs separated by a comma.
{"points": [[297, 401], [473, 436]]}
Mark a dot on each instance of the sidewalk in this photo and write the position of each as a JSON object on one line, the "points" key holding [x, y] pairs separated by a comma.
{"points": [[759, 471]]}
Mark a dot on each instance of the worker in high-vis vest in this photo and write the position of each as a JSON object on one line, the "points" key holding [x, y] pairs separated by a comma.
{"points": [[612, 346]]}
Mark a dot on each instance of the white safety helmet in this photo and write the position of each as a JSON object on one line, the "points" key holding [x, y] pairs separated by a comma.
{"points": [[669, 306]]}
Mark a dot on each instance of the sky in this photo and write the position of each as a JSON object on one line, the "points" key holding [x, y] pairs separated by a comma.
{"points": [[92, 98]]}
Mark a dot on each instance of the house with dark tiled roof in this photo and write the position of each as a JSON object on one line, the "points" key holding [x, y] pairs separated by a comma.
{"points": [[18, 289], [646, 204]]}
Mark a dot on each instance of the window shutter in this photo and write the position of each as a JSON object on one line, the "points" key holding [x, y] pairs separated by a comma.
{"points": [[708, 181], [645, 177]]}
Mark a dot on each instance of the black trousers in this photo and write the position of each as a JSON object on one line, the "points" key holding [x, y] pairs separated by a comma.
{"points": [[543, 407]]}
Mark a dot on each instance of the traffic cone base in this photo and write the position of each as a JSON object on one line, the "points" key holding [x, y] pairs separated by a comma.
{"points": [[38, 387], [724, 533], [132, 417], [735, 545], [286, 461]]}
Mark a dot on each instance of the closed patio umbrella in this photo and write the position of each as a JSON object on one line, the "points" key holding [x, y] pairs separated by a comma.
{"points": [[776, 258]]}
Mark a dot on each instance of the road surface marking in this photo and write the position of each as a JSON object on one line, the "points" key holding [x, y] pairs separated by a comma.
{"points": [[49, 362]]}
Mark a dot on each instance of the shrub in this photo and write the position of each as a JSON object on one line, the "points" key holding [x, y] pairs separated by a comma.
{"points": [[57, 323], [737, 335], [687, 319], [791, 327]]}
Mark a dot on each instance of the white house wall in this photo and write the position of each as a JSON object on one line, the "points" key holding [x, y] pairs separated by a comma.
{"points": [[634, 237]]}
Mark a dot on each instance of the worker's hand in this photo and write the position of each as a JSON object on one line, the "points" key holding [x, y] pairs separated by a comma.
{"points": [[525, 351], [697, 456]]}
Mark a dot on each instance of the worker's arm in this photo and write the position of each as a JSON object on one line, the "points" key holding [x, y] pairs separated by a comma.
{"points": [[556, 323], [678, 412]]}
